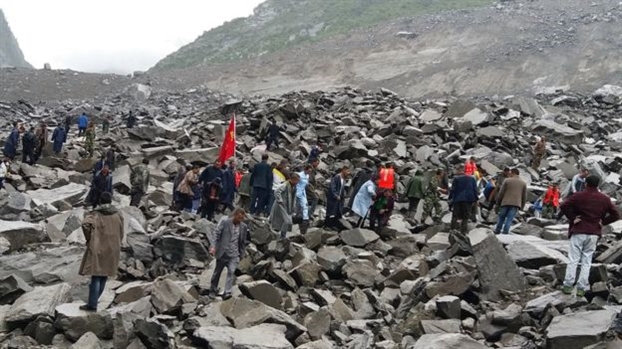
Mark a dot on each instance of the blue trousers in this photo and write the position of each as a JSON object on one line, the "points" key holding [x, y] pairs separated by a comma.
{"points": [[506, 216], [96, 288]]}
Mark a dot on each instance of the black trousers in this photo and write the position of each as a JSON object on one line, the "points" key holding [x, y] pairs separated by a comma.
{"points": [[136, 196], [461, 211]]}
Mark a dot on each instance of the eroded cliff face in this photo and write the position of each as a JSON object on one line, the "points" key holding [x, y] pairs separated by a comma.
{"points": [[10, 53]]}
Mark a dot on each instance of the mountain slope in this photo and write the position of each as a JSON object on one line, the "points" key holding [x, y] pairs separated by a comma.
{"points": [[280, 24], [507, 48], [10, 53]]}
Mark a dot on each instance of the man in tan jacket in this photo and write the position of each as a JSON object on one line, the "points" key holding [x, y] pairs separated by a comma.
{"points": [[511, 199], [103, 230]]}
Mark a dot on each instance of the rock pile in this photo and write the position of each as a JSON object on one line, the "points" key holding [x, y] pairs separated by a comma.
{"points": [[406, 287]]}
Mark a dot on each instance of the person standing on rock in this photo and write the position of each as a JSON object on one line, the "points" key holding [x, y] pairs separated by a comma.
{"points": [[102, 183], [139, 178], [470, 167], [432, 199], [578, 181], [181, 174], [228, 244], [4, 171], [538, 153], [58, 137], [462, 196], [103, 230], [364, 199], [511, 198], [414, 192], [314, 154], [272, 136], [588, 211], [301, 197], [386, 177], [111, 158], [361, 177], [284, 207], [41, 134], [106, 125], [261, 182], [335, 197], [550, 203], [12, 142], [68, 122], [83, 123], [229, 188], [498, 182], [210, 198], [211, 172], [131, 120], [244, 190], [185, 187], [89, 136], [29, 143], [312, 195]]}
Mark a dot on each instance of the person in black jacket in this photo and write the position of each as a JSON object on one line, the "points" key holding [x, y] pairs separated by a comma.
{"points": [[131, 120], [211, 172], [102, 183], [335, 197], [462, 196], [272, 136], [29, 143], [261, 182]]}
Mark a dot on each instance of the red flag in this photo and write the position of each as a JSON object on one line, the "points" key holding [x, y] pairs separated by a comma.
{"points": [[228, 144]]}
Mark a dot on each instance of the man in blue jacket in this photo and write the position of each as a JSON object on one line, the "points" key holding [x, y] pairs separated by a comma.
{"points": [[83, 123], [10, 146], [463, 196], [261, 182]]}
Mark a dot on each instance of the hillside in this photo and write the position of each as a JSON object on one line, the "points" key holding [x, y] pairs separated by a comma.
{"points": [[408, 46], [10, 53]]}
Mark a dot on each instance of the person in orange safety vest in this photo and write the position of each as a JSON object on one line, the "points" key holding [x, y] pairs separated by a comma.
{"points": [[550, 203], [386, 177], [470, 167]]}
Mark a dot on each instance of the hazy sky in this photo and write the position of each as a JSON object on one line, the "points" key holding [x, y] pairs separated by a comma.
{"points": [[113, 35]]}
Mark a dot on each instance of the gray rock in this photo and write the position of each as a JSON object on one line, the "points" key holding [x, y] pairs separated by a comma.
{"points": [[331, 258], [74, 323], [269, 336], [167, 296], [318, 323], [262, 291], [88, 341], [447, 341], [20, 233], [42, 300], [440, 326], [531, 255], [579, 330], [176, 249], [11, 288], [154, 334], [558, 132], [358, 237], [448, 307], [496, 269], [430, 115], [71, 193], [477, 117]]}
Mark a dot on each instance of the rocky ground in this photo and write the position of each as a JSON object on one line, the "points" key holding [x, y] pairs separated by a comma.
{"points": [[406, 287]]}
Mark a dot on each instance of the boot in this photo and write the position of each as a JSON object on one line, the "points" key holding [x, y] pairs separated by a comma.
{"points": [[304, 226]]}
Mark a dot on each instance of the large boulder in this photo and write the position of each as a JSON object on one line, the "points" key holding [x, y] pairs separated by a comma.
{"points": [[11, 288], [448, 341], [262, 291], [358, 237], [531, 255], [268, 336], [579, 330], [558, 132], [44, 267], [176, 249], [74, 322], [42, 300], [20, 233], [71, 193], [167, 296]]}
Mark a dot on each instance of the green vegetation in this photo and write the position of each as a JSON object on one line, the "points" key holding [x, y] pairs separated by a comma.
{"points": [[280, 24]]}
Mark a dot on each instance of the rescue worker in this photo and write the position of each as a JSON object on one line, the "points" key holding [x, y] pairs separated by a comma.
{"points": [[106, 125], [244, 190], [414, 192], [538, 153], [29, 143], [229, 188], [335, 197], [139, 178], [58, 137], [282, 212], [301, 197], [386, 177], [83, 123], [10, 146], [381, 210], [550, 203], [89, 136], [102, 183], [42, 138], [470, 167], [131, 120]]}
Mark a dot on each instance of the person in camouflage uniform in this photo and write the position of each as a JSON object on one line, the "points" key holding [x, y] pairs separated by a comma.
{"points": [[431, 198], [90, 139], [140, 182], [538, 153]]}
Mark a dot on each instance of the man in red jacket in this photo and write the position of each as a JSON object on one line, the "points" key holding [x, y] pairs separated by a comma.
{"points": [[588, 211]]}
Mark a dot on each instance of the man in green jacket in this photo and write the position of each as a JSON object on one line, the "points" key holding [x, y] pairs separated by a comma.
{"points": [[414, 192]]}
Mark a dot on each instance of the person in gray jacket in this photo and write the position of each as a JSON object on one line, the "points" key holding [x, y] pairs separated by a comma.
{"points": [[284, 207], [228, 244]]}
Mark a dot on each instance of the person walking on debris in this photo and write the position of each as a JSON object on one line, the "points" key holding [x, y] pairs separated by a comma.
{"points": [[229, 188], [10, 146], [58, 137], [284, 207], [470, 167], [314, 154], [68, 122], [102, 183], [301, 197], [29, 143], [103, 230], [4, 171], [512, 198], [539, 151], [210, 198], [83, 123], [261, 182], [578, 182], [414, 193], [361, 177], [550, 203], [381, 210], [272, 135], [106, 125], [311, 189], [111, 158], [211, 172], [99, 165], [278, 178], [386, 177], [131, 120], [181, 174], [89, 136], [228, 244], [335, 197], [244, 190], [588, 211], [431, 198], [139, 178], [462, 196], [41, 134], [498, 181], [364, 199], [185, 187]]}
